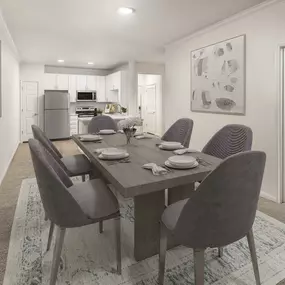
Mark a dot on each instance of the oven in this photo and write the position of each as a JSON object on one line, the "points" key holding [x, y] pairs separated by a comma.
{"points": [[86, 96]]}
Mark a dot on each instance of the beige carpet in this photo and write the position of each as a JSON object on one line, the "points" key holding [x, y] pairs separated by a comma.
{"points": [[21, 168]]}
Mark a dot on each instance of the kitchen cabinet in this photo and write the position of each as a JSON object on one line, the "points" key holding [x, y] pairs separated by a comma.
{"points": [[101, 88], [113, 87], [86, 82], [73, 125], [56, 81], [81, 82], [72, 88]]}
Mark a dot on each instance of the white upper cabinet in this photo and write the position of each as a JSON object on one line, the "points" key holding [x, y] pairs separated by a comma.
{"points": [[72, 87], [91, 82], [81, 82], [56, 81], [101, 88], [113, 87]]}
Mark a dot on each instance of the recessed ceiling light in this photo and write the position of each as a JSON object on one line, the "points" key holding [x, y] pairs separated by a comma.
{"points": [[126, 10], [60, 60], [90, 63]]}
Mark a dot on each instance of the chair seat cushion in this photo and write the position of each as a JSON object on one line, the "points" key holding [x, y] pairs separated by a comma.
{"points": [[171, 214], [95, 199], [77, 164]]}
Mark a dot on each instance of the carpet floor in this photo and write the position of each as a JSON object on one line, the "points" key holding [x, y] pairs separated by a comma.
{"points": [[88, 257], [21, 168]]}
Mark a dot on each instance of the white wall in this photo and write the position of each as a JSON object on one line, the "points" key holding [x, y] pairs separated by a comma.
{"points": [[264, 29], [10, 92]]}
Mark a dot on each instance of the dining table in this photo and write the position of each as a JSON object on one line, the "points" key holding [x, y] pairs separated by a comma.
{"points": [[131, 180]]}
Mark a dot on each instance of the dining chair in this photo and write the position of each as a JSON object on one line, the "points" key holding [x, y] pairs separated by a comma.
{"points": [[180, 131], [75, 165], [99, 123], [71, 205], [220, 212], [231, 139]]}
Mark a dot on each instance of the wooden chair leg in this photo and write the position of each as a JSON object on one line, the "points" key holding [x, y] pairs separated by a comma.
{"points": [[118, 245], [162, 253], [199, 263], [56, 254], [251, 244], [50, 235], [101, 229]]}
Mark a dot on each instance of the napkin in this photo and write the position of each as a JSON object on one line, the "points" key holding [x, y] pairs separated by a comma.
{"points": [[184, 150], [156, 170], [140, 137]]}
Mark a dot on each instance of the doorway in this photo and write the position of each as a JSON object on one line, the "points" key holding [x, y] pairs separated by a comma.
{"points": [[150, 102], [29, 108]]}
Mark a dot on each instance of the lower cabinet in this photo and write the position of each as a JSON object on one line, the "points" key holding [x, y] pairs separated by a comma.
{"points": [[73, 125]]}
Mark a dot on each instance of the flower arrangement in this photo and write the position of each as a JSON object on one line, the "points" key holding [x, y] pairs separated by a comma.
{"points": [[128, 126], [124, 110]]}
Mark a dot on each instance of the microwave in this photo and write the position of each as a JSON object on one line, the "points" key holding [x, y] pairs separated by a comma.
{"points": [[86, 96]]}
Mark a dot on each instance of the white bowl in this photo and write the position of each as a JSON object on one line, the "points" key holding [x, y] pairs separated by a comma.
{"points": [[123, 155], [107, 132], [114, 153], [182, 160], [170, 144]]}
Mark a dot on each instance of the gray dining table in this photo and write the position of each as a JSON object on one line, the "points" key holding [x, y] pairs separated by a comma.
{"points": [[131, 180]]}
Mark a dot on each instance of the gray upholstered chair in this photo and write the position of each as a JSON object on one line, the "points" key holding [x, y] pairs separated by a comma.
{"points": [[101, 123], [231, 139], [75, 165], [70, 206], [180, 131], [220, 212]]}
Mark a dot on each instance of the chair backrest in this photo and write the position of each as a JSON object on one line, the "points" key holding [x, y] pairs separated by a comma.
{"points": [[43, 139], [180, 131], [61, 208], [223, 208], [231, 139], [101, 123]]}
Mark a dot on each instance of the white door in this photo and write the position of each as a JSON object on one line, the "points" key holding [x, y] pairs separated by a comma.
{"points": [[29, 114], [149, 109]]}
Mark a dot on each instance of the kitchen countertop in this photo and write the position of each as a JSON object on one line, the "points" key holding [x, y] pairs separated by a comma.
{"points": [[113, 116]]}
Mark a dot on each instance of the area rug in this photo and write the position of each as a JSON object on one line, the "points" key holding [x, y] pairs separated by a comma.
{"points": [[89, 257]]}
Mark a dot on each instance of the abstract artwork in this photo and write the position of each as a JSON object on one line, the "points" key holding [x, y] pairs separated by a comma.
{"points": [[218, 77]]}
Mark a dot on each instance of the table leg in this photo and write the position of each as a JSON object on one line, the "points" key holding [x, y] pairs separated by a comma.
{"points": [[180, 193], [148, 211]]}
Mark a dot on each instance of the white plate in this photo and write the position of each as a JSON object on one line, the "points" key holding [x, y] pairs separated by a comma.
{"points": [[182, 160], [90, 138], [168, 164], [113, 153], [177, 144], [124, 155], [107, 132], [171, 147]]}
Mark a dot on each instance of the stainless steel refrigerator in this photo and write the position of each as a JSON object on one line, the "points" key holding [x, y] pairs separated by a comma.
{"points": [[57, 122]]}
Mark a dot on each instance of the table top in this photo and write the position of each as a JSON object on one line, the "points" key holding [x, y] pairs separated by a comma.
{"points": [[130, 179]]}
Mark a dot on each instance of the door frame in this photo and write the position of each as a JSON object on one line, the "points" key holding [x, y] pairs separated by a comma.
{"points": [[155, 87], [21, 106]]}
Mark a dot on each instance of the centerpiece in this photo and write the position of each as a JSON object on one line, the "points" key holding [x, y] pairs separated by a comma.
{"points": [[128, 126]]}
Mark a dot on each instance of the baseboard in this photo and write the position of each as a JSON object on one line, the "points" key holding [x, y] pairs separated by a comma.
{"points": [[8, 164], [268, 197]]}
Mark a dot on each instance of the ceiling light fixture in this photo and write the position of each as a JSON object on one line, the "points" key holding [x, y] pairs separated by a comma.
{"points": [[60, 60], [126, 10], [90, 63]]}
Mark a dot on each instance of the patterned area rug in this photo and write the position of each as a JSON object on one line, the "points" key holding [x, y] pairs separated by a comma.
{"points": [[89, 258]]}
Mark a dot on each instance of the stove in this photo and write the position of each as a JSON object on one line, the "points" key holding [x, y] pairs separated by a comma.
{"points": [[85, 111]]}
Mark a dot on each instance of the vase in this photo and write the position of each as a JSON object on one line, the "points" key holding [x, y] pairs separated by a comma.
{"points": [[129, 132]]}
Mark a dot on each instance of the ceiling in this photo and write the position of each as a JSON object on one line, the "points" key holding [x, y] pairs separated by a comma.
{"points": [[79, 31]]}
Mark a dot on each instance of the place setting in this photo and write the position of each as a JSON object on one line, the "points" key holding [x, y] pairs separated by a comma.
{"points": [[107, 132], [113, 155], [91, 138]]}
